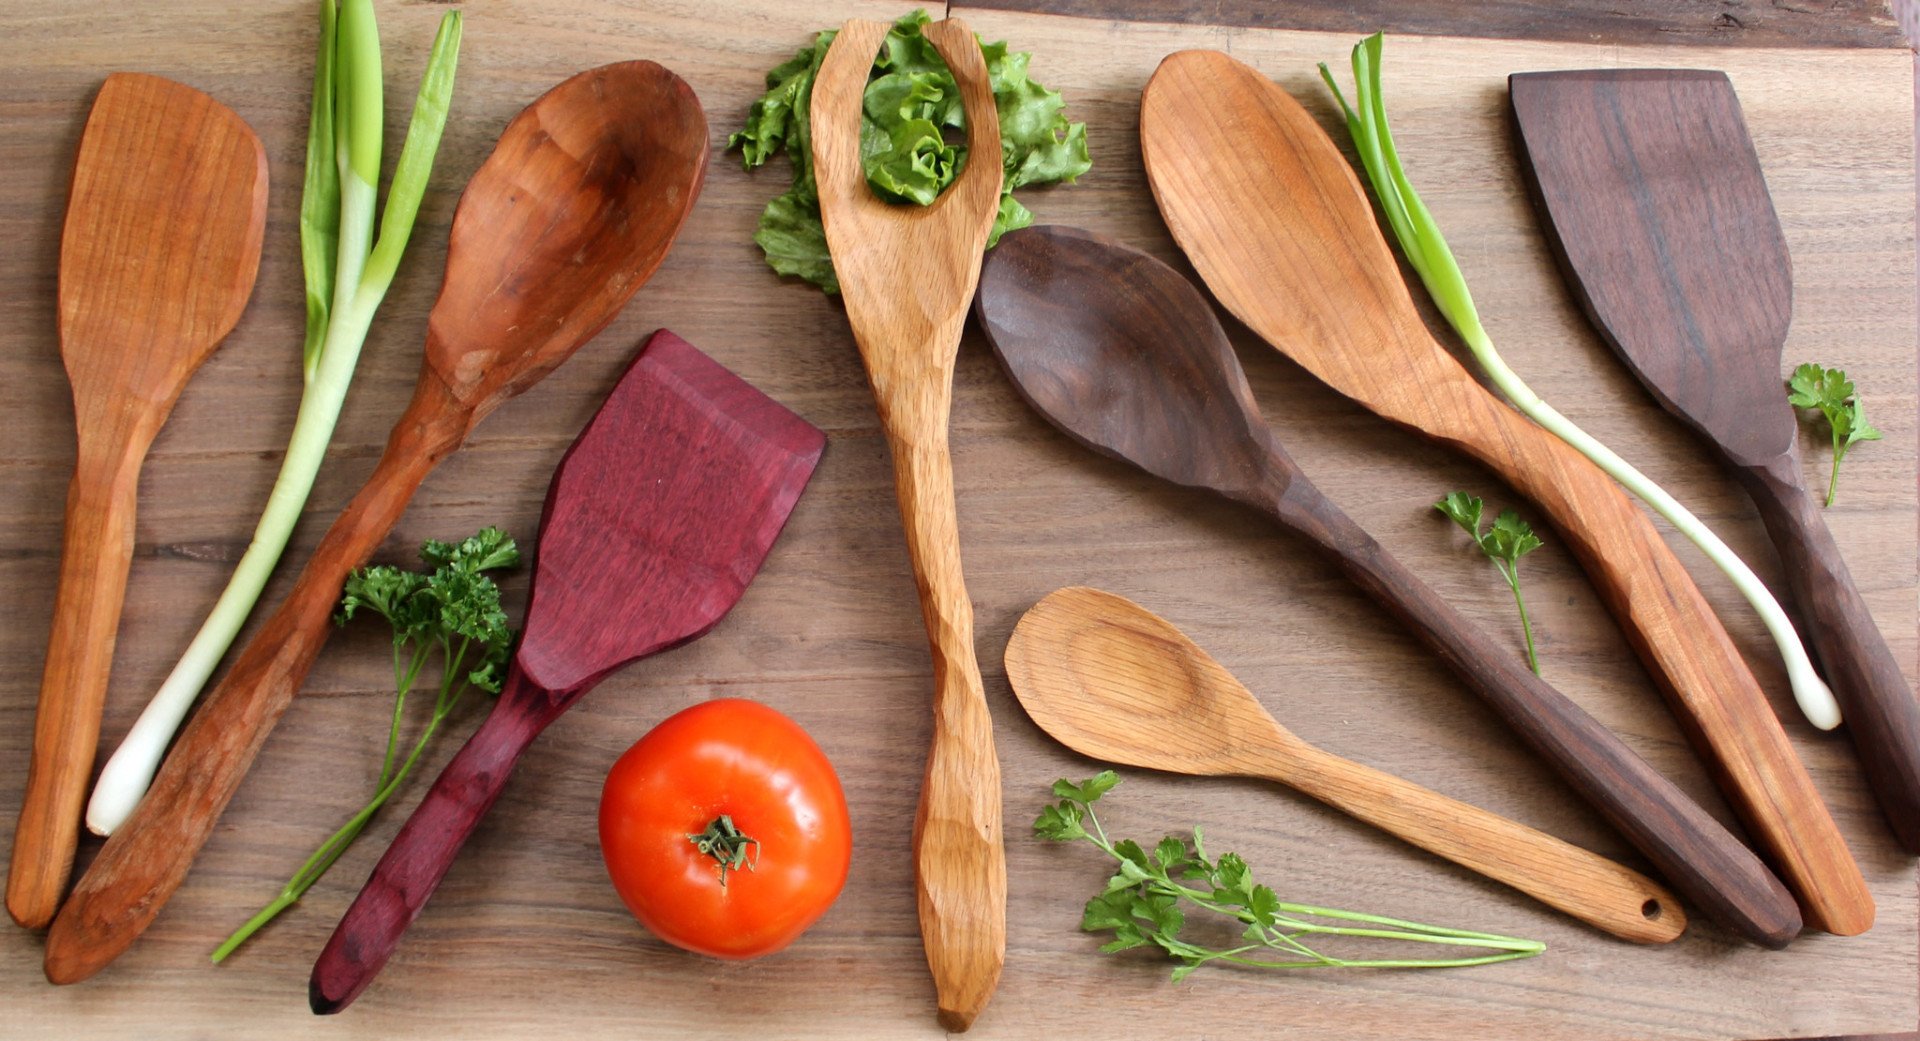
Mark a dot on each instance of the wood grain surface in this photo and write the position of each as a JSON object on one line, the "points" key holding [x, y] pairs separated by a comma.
{"points": [[526, 938]]}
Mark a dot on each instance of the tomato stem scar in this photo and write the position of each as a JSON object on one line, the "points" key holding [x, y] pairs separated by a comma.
{"points": [[725, 844]]}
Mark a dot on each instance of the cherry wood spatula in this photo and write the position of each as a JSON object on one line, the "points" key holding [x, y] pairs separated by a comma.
{"points": [[1655, 203], [157, 259], [1114, 681], [573, 211], [656, 520], [907, 274], [1122, 353], [1278, 226]]}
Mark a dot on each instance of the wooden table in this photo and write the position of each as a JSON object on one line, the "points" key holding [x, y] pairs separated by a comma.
{"points": [[527, 939]]}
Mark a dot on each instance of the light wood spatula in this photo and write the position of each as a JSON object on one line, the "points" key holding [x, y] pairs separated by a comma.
{"points": [[157, 260]]}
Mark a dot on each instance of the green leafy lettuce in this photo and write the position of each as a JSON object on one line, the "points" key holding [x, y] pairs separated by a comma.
{"points": [[911, 101]]}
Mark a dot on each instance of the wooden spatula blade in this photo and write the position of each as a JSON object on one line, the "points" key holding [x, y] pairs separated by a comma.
{"points": [[660, 514], [1655, 201]]}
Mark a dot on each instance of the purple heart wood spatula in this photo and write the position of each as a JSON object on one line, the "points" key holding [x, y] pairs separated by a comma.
{"points": [[657, 518]]}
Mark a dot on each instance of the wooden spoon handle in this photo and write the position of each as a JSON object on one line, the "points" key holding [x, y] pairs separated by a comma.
{"points": [[148, 857], [1696, 854], [1876, 704], [426, 846], [1691, 657], [1563, 876], [960, 868], [94, 558]]}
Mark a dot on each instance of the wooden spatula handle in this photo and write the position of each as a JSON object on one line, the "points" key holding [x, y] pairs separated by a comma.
{"points": [[426, 846], [1559, 874], [1696, 854], [94, 556], [1876, 704], [960, 868], [1691, 657], [148, 857]]}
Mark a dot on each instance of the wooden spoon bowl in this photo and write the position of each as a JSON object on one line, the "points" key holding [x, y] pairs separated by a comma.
{"points": [[572, 212]]}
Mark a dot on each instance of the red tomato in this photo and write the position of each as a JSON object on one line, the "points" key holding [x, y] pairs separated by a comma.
{"points": [[747, 783]]}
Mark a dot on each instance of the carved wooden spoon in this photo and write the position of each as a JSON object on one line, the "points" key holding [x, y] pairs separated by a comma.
{"points": [[1125, 355], [572, 212], [907, 274], [1278, 226], [157, 259], [1112, 680]]}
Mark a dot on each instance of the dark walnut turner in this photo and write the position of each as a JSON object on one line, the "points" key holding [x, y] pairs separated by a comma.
{"points": [[1655, 203], [1123, 354]]}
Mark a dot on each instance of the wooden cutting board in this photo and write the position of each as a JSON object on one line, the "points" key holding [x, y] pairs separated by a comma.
{"points": [[526, 938]]}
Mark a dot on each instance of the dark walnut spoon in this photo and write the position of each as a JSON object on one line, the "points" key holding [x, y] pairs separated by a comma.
{"points": [[572, 213], [1124, 355]]}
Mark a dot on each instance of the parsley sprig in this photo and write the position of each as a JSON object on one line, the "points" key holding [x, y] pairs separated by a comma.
{"points": [[1142, 903], [1509, 539], [1830, 391], [454, 613]]}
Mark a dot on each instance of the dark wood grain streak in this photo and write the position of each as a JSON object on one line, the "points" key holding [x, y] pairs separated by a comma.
{"points": [[580, 200], [1123, 354], [1733, 23], [658, 517], [1654, 200]]}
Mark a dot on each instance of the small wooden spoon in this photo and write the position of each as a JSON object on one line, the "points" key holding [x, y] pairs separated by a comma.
{"points": [[1114, 681], [1278, 226], [1125, 355], [572, 212], [907, 274], [157, 260]]}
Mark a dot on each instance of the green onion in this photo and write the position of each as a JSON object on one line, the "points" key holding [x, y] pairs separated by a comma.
{"points": [[347, 275], [1419, 237]]}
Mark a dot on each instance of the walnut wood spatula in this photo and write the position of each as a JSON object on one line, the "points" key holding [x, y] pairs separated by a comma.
{"points": [[1114, 681], [578, 204], [1656, 206], [1275, 221], [1125, 355], [907, 274], [656, 520], [157, 259]]}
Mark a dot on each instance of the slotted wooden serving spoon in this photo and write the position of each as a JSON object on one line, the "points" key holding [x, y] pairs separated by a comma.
{"points": [[157, 259], [572, 212], [1656, 205], [656, 520], [1114, 681], [1125, 355], [1274, 220], [907, 274]]}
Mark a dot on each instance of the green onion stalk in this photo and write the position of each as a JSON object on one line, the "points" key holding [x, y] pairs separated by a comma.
{"points": [[348, 271], [1427, 251]]}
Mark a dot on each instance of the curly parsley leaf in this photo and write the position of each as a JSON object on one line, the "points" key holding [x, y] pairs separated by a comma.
{"points": [[1831, 392], [1509, 539]]}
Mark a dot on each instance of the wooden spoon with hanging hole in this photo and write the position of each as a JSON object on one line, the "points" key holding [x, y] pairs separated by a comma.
{"points": [[1271, 215], [572, 213], [157, 260], [1114, 681], [1125, 355]]}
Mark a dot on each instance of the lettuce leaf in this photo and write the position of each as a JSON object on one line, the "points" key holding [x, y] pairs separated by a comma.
{"points": [[910, 101]]}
